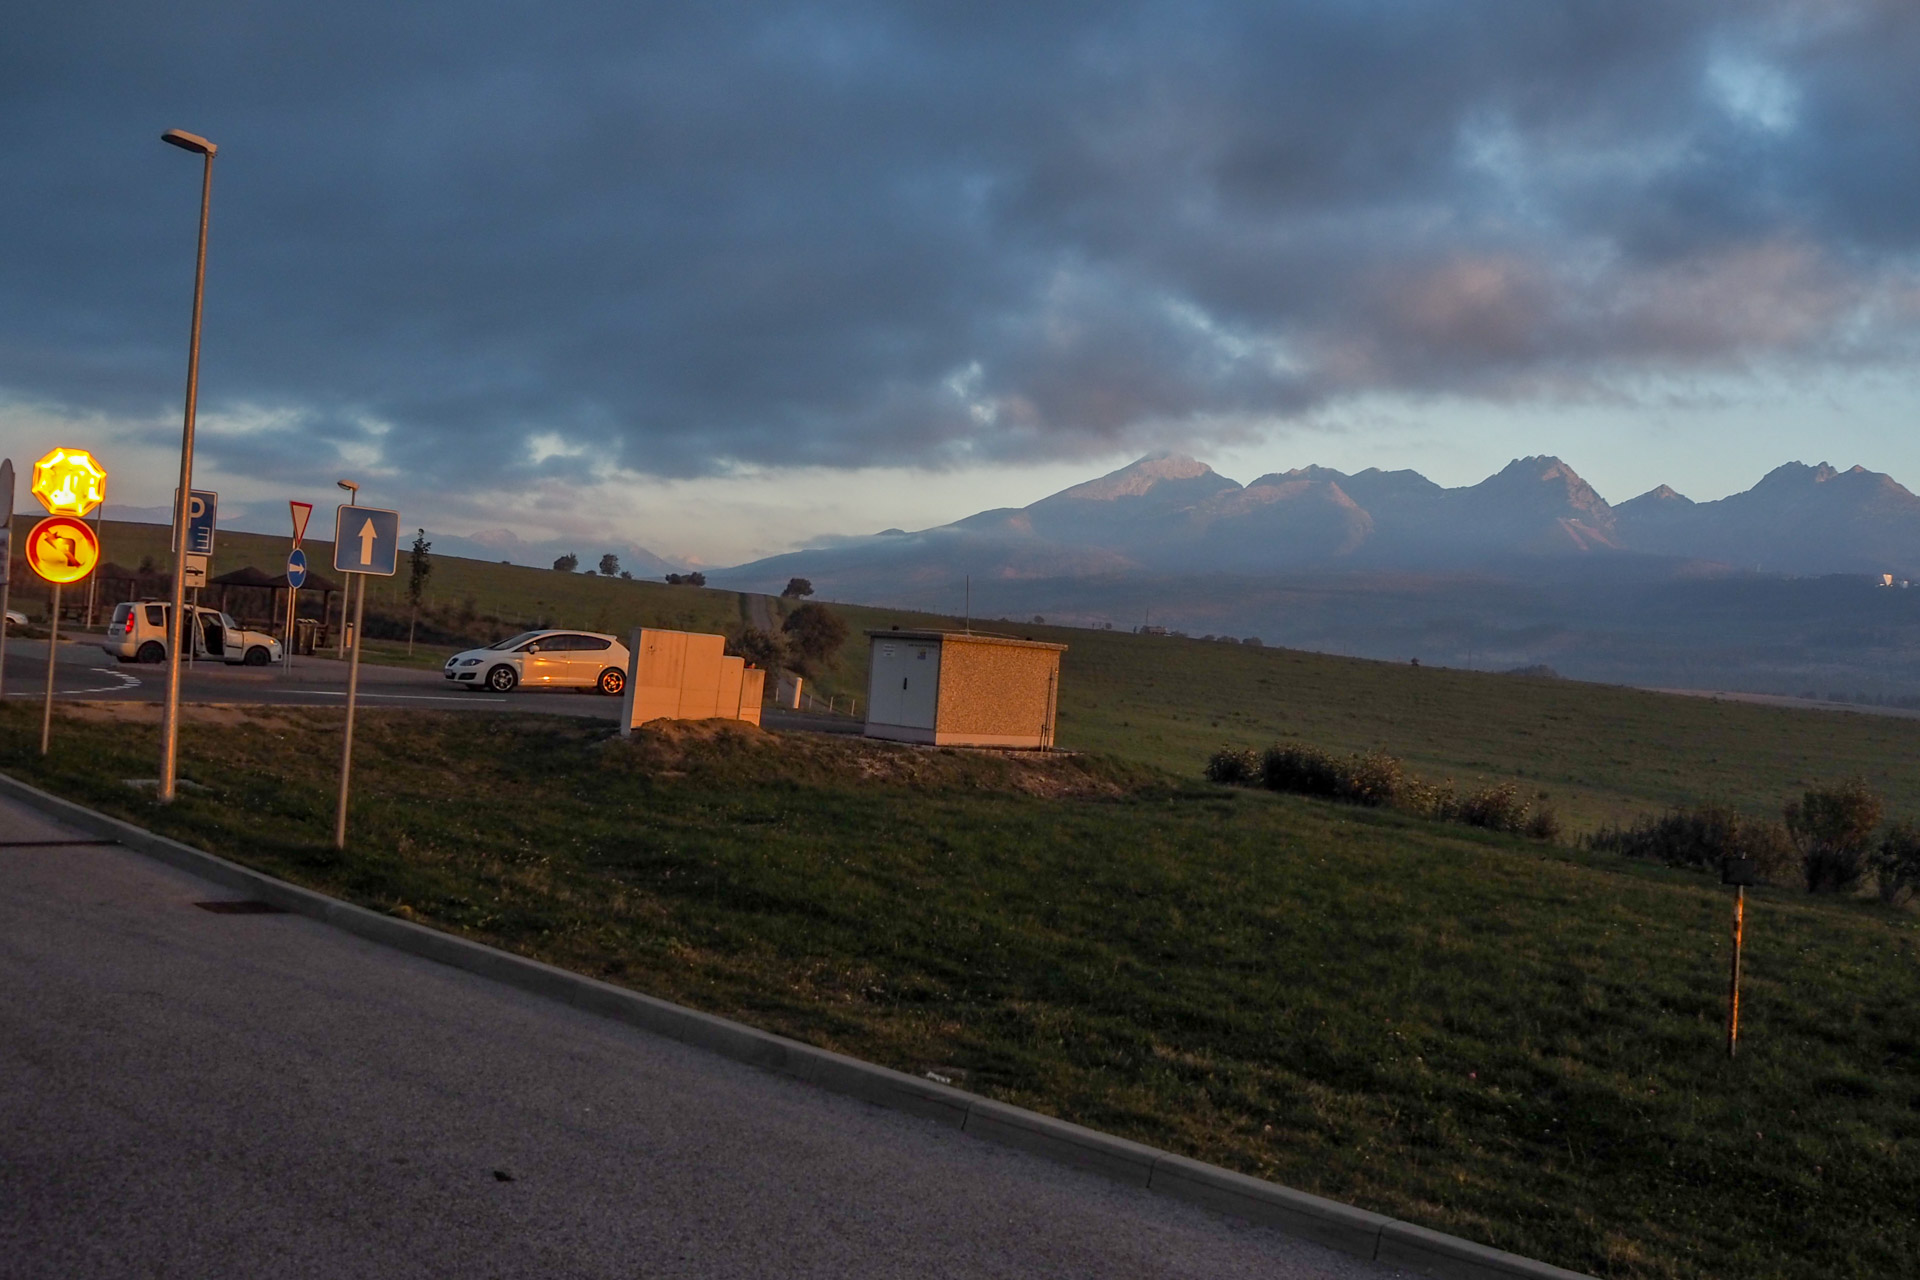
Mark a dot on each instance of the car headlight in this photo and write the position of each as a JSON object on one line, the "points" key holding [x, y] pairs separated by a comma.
{"points": [[470, 662]]}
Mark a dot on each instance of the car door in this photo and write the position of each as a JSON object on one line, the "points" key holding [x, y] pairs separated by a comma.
{"points": [[545, 661], [213, 636], [589, 659]]}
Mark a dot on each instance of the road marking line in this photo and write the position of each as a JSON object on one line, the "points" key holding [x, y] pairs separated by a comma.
{"points": [[126, 682], [410, 697]]}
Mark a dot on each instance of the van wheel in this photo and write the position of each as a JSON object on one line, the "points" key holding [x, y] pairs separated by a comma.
{"points": [[258, 657], [612, 681], [502, 679], [151, 652]]}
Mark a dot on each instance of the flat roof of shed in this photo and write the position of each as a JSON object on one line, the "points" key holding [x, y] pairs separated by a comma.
{"points": [[965, 637]]}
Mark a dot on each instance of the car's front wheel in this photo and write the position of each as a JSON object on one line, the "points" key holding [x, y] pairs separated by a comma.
{"points": [[613, 681], [502, 679], [258, 657], [151, 652]]}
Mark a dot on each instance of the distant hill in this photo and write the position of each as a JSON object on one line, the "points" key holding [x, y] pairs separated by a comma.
{"points": [[1168, 513]]}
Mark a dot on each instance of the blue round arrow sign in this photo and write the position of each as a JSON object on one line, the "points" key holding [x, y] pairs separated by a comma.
{"points": [[297, 568]]}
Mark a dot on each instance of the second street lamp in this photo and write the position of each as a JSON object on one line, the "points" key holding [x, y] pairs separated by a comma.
{"points": [[176, 620], [346, 598]]}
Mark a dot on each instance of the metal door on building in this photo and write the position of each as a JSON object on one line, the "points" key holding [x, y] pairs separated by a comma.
{"points": [[905, 688]]}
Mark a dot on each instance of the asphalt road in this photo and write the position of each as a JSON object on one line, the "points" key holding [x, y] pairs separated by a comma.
{"points": [[192, 1094], [83, 670]]}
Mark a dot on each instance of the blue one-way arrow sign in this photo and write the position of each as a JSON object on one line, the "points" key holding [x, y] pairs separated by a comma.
{"points": [[297, 569], [366, 540]]}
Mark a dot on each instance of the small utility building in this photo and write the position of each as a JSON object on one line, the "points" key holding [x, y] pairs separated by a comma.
{"points": [[954, 688]]}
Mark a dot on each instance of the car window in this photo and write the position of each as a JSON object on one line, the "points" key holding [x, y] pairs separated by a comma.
{"points": [[156, 615], [542, 644], [120, 612], [590, 643], [226, 620], [514, 642]]}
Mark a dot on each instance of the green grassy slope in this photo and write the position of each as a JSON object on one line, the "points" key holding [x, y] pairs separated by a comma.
{"points": [[1460, 1029], [1600, 753]]}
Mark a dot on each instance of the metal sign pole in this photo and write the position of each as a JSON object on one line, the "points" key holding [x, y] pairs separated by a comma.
{"points": [[6, 593], [346, 745], [53, 646], [170, 727], [1733, 986], [93, 580], [6, 561]]}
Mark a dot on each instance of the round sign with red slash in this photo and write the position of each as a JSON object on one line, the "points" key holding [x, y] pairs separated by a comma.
{"points": [[62, 549]]}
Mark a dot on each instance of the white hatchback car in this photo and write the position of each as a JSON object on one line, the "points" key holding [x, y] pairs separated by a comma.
{"points": [[544, 659], [137, 632]]}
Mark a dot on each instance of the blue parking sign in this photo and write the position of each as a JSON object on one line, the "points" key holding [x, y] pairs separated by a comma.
{"points": [[203, 514], [366, 540]]}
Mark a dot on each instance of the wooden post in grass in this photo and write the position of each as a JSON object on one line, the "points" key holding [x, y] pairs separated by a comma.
{"points": [[1738, 872]]}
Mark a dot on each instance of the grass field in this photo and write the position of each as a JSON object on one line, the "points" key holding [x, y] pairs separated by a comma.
{"points": [[1596, 753], [1600, 753], [1516, 1045]]}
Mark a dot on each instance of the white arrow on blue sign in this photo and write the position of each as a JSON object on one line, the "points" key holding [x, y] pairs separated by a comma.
{"points": [[297, 569], [366, 540]]}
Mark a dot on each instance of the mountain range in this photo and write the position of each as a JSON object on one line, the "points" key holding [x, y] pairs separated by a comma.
{"points": [[1167, 513]]}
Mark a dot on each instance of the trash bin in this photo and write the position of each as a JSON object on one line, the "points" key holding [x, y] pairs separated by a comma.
{"points": [[306, 634]]}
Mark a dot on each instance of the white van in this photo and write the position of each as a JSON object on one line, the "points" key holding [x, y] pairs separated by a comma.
{"points": [[138, 633]]}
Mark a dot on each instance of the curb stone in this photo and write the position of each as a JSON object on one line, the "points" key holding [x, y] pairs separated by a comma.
{"points": [[1296, 1213]]}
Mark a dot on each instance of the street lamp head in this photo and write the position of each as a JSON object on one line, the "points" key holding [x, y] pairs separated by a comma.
{"points": [[348, 485], [189, 142]]}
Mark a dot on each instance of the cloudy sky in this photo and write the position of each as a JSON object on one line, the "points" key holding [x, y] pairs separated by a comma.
{"points": [[717, 278]]}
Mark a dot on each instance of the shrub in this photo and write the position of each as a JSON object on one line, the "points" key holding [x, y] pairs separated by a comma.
{"points": [[1233, 765], [1832, 827], [1896, 863], [1300, 769], [763, 649], [1498, 808], [813, 632], [1437, 801], [1543, 824], [1701, 839], [1376, 780], [1371, 778]]}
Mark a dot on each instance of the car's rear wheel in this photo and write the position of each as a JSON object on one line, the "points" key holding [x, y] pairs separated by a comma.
{"points": [[150, 652], [613, 681], [258, 657], [502, 679]]}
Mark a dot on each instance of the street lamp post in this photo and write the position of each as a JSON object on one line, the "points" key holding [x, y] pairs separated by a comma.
{"points": [[346, 599], [176, 621], [353, 673]]}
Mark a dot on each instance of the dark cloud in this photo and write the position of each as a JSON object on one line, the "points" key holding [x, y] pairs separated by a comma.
{"points": [[682, 236]]}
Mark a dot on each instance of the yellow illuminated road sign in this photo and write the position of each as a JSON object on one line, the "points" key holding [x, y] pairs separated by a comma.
{"points": [[69, 482], [62, 549]]}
